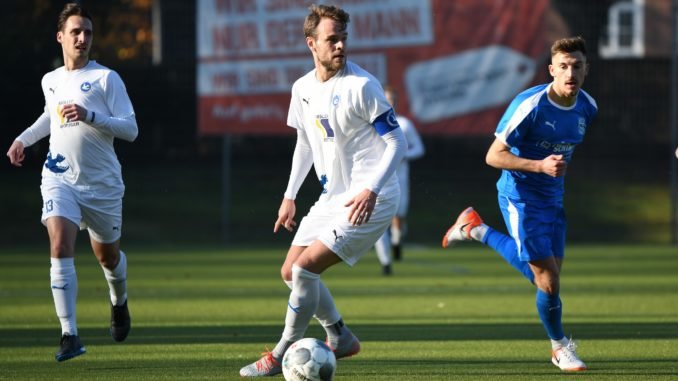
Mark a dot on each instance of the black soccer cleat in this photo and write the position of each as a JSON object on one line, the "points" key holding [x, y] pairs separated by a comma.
{"points": [[386, 270], [397, 253], [120, 322], [69, 347]]}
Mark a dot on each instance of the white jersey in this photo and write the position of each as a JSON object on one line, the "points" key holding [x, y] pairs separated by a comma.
{"points": [[415, 147], [79, 153], [415, 150], [336, 116]]}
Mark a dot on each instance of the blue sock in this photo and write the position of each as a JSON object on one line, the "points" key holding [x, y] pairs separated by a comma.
{"points": [[507, 248], [550, 312]]}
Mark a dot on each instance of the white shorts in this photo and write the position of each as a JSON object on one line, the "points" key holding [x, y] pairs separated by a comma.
{"points": [[99, 211], [329, 224]]}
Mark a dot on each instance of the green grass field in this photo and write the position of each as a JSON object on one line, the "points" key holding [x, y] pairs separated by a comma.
{"points": [[462, 314]]}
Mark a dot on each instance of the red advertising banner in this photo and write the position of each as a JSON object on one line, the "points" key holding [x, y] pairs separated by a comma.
{"points": [[456, 64]]}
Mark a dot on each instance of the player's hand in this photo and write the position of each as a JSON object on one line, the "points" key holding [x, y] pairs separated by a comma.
{"points": [[72, 112], [677, 152], [554, 166], [286, 216], [16, 153], [362, 206]]}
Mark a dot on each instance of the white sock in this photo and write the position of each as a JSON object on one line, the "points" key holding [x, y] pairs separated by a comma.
{"points": [[64, 282], [555, 344], [302, 305], [395, 235], [335, 332], [383, 248], [478, 233], [117, 281], [328, 316], [326, 313]]}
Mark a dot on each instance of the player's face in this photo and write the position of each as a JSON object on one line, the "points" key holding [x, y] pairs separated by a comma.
{"points": [[329, 45], [568, 71], [76, 39]]}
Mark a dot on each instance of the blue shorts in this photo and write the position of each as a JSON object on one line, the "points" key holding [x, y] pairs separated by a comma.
{"points": [[538, 227]]}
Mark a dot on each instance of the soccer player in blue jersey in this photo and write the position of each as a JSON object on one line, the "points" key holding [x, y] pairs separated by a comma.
{"points": [[534, 143]]}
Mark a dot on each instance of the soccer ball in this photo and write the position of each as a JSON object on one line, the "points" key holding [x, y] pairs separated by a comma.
{"points": [[309, 359]]}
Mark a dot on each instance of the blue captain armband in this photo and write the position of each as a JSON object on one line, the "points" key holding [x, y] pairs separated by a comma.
{"points": [[385, 123]]}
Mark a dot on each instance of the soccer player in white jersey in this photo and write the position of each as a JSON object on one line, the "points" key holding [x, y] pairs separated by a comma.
{"points": [[535, 140], [86, 107], [347, 129], [390, 241]]}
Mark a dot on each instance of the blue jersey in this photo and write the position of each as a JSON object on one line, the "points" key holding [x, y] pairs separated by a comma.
{"points": [[535, 127]]}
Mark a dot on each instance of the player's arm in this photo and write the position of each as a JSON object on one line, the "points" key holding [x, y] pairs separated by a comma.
{"points": [[121, 123], [38, 130], [120, 127], [363, 204], [500, 156], [396, 146], [124, 127], [302, 160]]}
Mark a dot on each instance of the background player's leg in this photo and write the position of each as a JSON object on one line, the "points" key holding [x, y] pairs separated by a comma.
{"points": [[397, 230], [383, 249]]}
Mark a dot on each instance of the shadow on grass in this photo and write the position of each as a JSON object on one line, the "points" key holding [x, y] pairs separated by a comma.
{"points": [[19, 337]]}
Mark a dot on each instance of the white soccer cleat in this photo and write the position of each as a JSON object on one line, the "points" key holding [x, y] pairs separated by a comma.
{"points": [[461, 230], [264, 367], [566, 358]]}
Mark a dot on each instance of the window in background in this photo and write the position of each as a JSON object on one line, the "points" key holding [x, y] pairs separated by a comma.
{"points": [[624, 36]]}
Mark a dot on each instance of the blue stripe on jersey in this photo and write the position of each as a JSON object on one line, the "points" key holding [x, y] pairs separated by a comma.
{"points": [[385, 123]]}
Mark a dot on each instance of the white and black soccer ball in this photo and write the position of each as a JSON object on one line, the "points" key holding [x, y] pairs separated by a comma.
{"points": [[309, 359]]}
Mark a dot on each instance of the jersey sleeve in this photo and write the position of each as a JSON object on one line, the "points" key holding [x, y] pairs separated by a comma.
{"points": [[301, 165], [393, 155], [116, 96], [294, 118], [122, 123], [415, 147], [515, 121], [370, 102], [38, 130]]}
